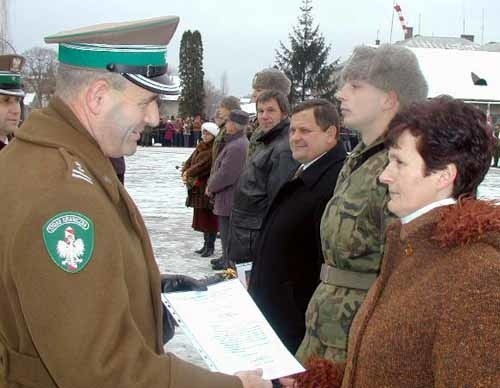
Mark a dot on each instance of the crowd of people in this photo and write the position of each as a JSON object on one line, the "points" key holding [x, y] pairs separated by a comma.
{"points": [[174, 132], [377, 268]]}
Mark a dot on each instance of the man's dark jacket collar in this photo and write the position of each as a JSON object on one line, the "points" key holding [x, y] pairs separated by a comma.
{"points": [[314, 172], [268, 137]]}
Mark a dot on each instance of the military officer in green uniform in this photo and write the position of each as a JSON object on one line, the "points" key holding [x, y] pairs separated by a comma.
{"points": [[266, 79], [377, 83], [11, 94], [79, 286]]}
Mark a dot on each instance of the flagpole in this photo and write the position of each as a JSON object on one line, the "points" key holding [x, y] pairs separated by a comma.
{"points": [[392, 20]]}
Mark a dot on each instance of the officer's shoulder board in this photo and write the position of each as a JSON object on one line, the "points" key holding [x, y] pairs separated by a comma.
{"points": [[75, 168]]}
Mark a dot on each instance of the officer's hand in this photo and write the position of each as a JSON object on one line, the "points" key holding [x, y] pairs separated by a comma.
{"points": [[253, 379], [171, 283]]}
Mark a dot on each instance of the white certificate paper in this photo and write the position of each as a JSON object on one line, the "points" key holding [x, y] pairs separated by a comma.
{"points": [[229, 331]]}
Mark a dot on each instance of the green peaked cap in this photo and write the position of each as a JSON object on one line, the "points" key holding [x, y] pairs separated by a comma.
{"points": [[136, 49], [11, 82]]}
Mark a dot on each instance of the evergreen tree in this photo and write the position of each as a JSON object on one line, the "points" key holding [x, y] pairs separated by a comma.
{"points": [[191, 74], [306, 61]]}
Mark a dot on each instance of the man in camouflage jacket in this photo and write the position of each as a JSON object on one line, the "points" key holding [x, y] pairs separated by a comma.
{"points": [[377, 83]]}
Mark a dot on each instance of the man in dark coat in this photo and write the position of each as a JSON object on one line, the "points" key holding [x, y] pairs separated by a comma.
{"points": [[286, 269], [265, 172], [266, 79]]}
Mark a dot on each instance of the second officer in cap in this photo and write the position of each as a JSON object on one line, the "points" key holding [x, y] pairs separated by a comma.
{"points": [[79, 286], [11, 94]]}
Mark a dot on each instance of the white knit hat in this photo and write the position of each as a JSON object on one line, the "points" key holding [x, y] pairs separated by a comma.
{"points": [[210, 128]]}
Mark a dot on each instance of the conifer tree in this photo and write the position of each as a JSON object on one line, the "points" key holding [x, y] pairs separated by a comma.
{"points": [[306, 61], [191, 74]]}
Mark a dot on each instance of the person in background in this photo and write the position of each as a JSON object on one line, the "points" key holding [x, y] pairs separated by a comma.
{"points": [[169, 133], [431, 319], [195, 173], [265, 172], [11, 95], [179, 129], [496, 150], [266, 79], [196, 134], [187, 128], [226, 105], [286, 268], [222, 112], [226, 171]]}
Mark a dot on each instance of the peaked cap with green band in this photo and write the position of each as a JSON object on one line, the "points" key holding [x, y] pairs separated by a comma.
{"points": [[11, 82], [137, 50]]}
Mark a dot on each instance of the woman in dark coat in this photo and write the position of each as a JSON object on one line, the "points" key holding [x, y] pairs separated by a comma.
{"points": [[195, 174]]}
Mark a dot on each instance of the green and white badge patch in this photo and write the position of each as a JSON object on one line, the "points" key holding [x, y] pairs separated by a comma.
{"points": [[69, 239]]}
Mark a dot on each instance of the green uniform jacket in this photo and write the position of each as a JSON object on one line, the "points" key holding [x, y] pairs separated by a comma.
{"points": [[99, 326], [352, 236]]}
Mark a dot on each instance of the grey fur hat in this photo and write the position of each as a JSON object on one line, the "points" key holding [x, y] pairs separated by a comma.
{"points": [[272, 79], [388, 67], [230, 103]]}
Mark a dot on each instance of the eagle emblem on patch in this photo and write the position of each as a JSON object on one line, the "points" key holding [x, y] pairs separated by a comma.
{"points": [[69, 240]]}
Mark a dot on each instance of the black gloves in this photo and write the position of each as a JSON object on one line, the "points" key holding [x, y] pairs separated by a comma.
{"points": [[171, 283]]}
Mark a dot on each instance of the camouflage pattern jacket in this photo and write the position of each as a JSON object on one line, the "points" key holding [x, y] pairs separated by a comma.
{"points": [[352, 236]]}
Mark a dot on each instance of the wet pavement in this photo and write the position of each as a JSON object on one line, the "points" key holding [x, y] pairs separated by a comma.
{"points": [[154, 183]]}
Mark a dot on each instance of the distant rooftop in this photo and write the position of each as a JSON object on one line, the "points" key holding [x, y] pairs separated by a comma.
{"points": [[459, 73], [492, 46], [464, 42], [440, 42]]}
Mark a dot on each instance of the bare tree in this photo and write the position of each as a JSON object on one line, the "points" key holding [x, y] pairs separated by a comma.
{"points": [[213, 97], [5, 46], [40, 73], [224, 83]]}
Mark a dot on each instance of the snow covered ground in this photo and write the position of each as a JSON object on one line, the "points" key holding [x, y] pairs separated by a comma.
{"points": [[154, 183]]}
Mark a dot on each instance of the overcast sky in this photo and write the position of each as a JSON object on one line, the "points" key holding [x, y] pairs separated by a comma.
{"points": [[240, 37]]}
